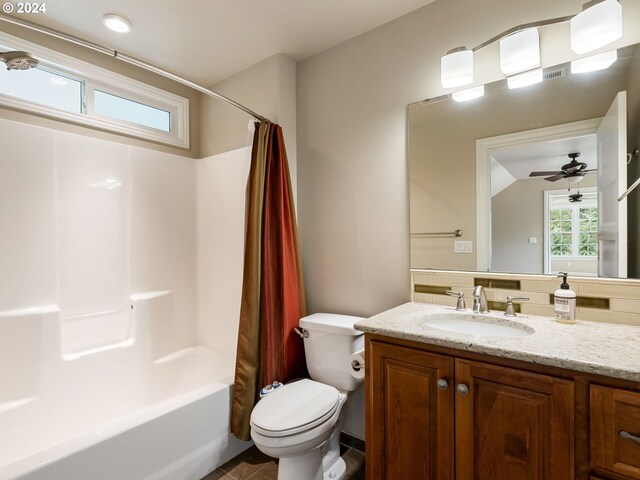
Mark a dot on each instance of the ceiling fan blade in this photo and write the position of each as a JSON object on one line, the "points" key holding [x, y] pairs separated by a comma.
{"points": [[544, 174], [555, 178], [590, 170], [574, 169]]}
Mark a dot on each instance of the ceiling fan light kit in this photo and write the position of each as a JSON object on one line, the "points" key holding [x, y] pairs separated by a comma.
{"points": [[598, 24], [573, 172]]}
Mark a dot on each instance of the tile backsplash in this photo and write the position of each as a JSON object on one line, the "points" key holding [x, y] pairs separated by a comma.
{"points": [[599, 299]]}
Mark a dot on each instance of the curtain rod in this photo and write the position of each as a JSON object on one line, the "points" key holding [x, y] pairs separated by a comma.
{"points": [[128, 59]]}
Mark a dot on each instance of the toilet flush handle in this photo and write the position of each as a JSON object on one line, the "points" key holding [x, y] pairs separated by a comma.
{"points": [[302, 333]]}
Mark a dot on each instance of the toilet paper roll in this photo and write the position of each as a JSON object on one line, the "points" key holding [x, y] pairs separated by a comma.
{"points": [[356, 364]]}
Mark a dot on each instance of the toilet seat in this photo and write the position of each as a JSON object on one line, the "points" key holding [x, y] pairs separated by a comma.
{"points": [[295, 408]]}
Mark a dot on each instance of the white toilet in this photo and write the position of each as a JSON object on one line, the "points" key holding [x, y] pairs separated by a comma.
{"points": [[299, 423]]}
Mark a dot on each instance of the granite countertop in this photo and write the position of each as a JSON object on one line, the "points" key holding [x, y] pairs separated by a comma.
{"points": [[606, 349]]}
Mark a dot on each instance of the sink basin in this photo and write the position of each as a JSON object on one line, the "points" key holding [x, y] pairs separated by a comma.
{"points": [[477, 325]]}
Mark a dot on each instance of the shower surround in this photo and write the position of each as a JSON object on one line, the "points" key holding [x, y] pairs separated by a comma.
{"points": [[109, 364]]}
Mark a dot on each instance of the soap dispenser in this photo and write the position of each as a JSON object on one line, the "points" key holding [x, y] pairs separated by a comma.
{"points": [[564, 303]]}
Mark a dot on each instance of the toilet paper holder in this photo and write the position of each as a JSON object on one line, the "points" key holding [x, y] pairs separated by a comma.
{"points": [[357, 365]]}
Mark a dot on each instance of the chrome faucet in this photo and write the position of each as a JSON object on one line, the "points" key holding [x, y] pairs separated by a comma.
{"points": [[480, 300]]}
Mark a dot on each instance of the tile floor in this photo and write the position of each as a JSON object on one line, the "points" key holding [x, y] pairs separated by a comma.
{"points": [[255, 465]]}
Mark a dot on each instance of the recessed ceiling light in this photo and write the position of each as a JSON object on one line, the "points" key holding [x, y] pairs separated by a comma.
{"points": [[116, 23]]}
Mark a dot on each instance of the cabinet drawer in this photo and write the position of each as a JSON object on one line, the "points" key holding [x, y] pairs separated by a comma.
{"points": [[615, 430]]}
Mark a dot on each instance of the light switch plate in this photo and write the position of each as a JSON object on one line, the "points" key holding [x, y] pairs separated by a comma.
{"points": [[463, 246]]}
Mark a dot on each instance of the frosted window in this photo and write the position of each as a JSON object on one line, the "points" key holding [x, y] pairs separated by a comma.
{"points": [[43, 87], [130, 111]]}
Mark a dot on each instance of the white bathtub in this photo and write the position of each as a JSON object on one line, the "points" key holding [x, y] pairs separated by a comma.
{"points": [[118, 411]]}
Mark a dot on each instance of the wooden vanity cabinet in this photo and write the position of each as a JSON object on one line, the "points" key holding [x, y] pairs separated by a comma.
{"points": [[486, 422], [615, 431], [512, 424], [409, 414]]}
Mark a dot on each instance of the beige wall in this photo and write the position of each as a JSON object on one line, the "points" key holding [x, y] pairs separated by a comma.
{"points": [[517, 213], [269, 89], [116, 66]]}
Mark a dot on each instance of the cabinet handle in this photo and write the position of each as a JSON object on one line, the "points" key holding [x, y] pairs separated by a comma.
{"points": [[443, 384], [628, 436], [463, 389]]}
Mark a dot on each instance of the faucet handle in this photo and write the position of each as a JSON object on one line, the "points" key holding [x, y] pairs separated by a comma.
{"points": [[460, 305], [509, 311]]}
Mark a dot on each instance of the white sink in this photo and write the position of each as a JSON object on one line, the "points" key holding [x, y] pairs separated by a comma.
{"points": [[477, 324]]}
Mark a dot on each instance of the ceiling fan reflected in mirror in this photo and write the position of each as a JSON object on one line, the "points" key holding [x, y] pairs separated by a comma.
{"points": [[575, 197], [574, 171]]}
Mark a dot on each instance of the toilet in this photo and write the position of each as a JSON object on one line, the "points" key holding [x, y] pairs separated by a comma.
{"points": [[300, 422]]}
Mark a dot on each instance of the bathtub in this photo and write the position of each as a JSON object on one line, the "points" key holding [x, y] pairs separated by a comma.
{"points": [[125, 409]]}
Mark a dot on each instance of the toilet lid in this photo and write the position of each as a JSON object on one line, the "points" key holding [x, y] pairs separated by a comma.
{"points": [[294, 408]]}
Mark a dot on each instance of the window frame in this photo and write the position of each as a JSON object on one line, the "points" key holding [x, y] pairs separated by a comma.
{"points": [[575, 221], [98, 78]]}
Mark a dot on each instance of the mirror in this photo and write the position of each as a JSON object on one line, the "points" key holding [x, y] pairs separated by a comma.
{"points": [[493, 186]]}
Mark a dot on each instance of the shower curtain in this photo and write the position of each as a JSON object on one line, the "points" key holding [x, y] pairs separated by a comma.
{"points": [[273, 297]]}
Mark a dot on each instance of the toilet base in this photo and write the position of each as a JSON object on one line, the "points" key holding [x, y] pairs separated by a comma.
{"points": [[337, 471], [309, 467]]}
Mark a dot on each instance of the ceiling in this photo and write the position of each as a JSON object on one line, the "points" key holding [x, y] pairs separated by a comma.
{"points": [[521, 160], [209, 40]]}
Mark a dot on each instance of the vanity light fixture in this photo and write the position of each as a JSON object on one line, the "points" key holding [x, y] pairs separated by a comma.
{"points": [[116, 23], [525, 79], [520, 51], [594, 62], [468, 94], [456, 68], [599, 24]]}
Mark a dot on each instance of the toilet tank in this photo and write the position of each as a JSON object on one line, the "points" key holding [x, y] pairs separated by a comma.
{"points": [[332, 339]]}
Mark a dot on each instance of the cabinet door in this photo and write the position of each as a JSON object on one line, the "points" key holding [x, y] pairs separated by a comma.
{"points": [[615, 430], [409, 418], [512, 425]]}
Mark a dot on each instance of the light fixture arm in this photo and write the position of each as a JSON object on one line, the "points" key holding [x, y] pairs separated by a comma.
{"points": [[541, 23], [524, 26]]}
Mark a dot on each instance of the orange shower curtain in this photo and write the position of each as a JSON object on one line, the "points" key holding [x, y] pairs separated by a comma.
{"points": [[272, 291]]}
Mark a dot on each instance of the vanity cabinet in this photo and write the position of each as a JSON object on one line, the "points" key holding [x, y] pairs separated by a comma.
{"points": [[615, 431], [512, 424], [410, 412], [437, 417]]}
